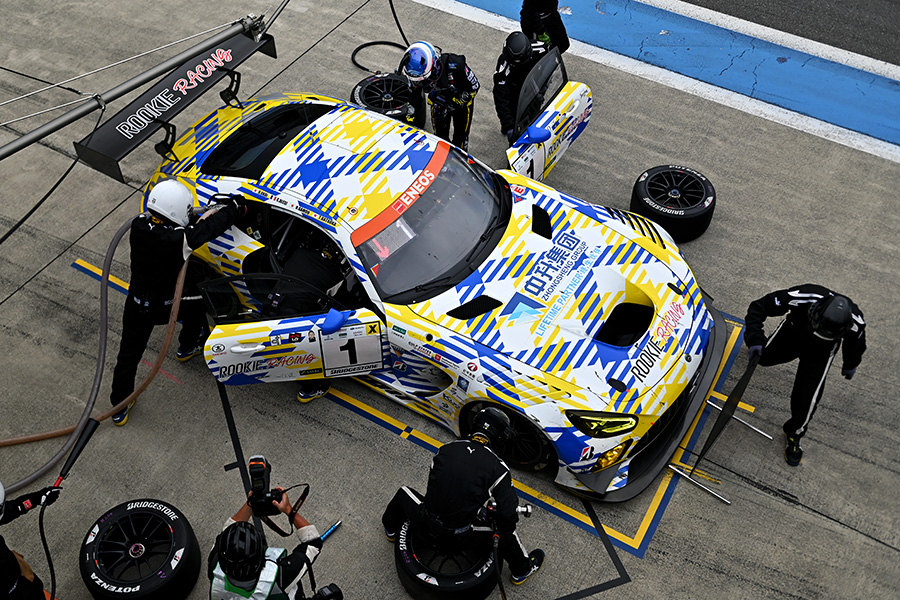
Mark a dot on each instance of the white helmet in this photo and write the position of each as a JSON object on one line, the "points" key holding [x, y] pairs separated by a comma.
{"points": [[171, 200]]}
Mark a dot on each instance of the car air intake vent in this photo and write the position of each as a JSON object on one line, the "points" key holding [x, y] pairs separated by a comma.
{"points": [[474, 308], [540, 222], [640, 224], [617, 385]]}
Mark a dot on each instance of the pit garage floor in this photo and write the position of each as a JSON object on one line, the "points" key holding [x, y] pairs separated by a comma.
{"points": [[793, 208]]}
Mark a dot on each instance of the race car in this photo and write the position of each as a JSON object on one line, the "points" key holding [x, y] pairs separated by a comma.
{"points": [[447, 286]]}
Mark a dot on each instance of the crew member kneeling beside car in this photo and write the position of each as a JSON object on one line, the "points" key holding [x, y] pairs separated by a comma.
{"points": [[465, 475]]}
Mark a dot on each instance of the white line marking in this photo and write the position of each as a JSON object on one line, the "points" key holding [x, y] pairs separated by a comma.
{"points": [[776, 114]]}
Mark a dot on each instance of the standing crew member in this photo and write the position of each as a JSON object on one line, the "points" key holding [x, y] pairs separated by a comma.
{"points": [[161, 240], [465, 475], [519, 55], [540, 21], [450, 86], [17, 580], [241, 566], [816, 323]]}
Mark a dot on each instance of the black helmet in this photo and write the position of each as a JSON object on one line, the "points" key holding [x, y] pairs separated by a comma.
{"points": [[517, 48], [831, 317], [242, 551], [493, 424]]}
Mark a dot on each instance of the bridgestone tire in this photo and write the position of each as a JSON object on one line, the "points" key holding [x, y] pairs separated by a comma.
{"points": [[429, 574], [679, 199], [384, 93], [140, 549]]}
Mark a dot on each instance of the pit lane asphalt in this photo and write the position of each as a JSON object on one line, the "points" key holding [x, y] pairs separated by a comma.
{"points": [[792, 208]]}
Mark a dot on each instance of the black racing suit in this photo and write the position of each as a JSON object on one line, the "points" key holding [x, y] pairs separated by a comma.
{"points": [[793, 338], [451, 91], [158, 251], [464, 475], [540, 19], [508, 80]]}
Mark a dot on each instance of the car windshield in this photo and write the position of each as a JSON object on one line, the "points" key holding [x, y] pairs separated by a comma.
{"points": [[435, 233]]}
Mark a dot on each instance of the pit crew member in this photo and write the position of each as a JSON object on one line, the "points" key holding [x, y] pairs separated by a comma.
{"points": [[17, 580], [817, 321], [450, 86], [519, 55], [540, 21], [465, 475], [241, 566], [161, 240]]}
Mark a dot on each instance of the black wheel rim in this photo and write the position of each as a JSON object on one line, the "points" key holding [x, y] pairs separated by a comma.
{"points": [[385, 94], [134, 547], [676, 189], [450, 563], [526, 446]]}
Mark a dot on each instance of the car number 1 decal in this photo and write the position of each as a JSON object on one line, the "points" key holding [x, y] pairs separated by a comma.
{"points": [[353, 349]]}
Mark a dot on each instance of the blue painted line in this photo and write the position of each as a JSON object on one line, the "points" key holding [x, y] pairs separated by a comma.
{"points": [[794, 80]]}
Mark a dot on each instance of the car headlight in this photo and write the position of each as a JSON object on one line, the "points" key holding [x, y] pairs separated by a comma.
{"points": [[601, 424]]}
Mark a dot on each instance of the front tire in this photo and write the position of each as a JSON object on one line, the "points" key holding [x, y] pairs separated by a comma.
{"points": [[140, 549]]}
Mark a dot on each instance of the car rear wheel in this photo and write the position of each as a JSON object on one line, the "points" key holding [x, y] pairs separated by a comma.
{"points": [[679, 199], [140, 549]]}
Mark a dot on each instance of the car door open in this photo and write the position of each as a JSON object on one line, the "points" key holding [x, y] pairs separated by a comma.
{"points": [[551, 112]]}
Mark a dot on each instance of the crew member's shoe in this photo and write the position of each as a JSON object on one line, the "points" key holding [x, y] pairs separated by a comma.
{"points": [[312, 389], [537, 560], [121, 417], [390, 535], [184, 354], [793, 453]]}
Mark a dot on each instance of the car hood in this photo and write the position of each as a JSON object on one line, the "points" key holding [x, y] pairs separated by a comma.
{"points": [[563, 291]]}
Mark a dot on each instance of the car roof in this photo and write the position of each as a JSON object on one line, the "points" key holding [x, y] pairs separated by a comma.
{"points": [[349, 163]]}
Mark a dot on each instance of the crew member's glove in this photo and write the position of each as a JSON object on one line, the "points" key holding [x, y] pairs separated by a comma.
{"points": [[848, 373], [511, 136], [238, 202], [26, 502], [545, 38], [462, 99], [755, 351]]}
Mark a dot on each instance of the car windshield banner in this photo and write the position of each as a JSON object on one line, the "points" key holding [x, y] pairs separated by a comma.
{"points": [[133, 125]]}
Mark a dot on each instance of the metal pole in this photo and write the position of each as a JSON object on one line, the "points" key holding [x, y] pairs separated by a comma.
{"points": [[246, 24]]}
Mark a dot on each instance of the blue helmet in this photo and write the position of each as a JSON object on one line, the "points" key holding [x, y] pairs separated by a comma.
{"points": [[419, 61]]}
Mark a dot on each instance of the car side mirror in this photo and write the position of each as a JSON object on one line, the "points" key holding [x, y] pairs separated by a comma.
{"points": [[334, 320], [533, 135]]}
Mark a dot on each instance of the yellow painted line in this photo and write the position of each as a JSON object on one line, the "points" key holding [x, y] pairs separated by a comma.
{"points": [[99, 271], [723, 398]]}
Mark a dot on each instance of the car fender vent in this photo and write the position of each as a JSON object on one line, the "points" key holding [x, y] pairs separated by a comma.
{"points": [[474, 308], [540, 222], [640, 224], [617, 385]]}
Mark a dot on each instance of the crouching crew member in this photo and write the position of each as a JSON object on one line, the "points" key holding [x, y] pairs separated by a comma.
{"points": [[241, 566], [450, 86], [817, 321], [161, 240], [465, 475]]}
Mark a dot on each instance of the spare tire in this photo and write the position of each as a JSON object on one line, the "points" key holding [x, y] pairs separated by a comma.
{"points": [[386, 93], [140, 549], [431, 573], [679, 199]]}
